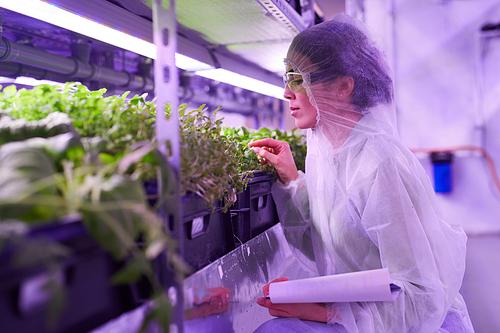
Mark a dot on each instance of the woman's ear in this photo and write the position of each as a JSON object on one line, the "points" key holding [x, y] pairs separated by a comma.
{"points": [[345, 86]]}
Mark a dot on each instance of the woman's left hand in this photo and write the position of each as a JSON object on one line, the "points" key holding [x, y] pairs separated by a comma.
{"points": [[305, 311]]}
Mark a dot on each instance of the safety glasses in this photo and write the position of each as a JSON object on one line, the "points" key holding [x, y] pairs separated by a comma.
{"points": [[293, 80]]}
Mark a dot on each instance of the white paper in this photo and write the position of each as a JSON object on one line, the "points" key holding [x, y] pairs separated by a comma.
{"points": [[364, 286]]}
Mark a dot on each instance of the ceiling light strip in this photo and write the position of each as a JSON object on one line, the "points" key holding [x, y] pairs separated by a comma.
{"points": [[28, 81], [243, 82]]}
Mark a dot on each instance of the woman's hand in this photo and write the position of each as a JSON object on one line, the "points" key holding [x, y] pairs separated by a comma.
{"points": [[304, 311], [277, 153]]}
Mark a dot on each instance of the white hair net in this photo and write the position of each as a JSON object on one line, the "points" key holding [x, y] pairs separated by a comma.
{"points": [[364, 201]]}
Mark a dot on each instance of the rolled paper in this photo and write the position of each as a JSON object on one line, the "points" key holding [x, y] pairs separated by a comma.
{"points": [[364, 286]]}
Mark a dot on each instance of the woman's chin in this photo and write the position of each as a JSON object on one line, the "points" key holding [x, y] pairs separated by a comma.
{"points": [[302, 125]]}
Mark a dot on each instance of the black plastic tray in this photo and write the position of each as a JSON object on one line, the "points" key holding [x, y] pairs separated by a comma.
{"points": [[254, 211], [91, 299], [208, 233]]}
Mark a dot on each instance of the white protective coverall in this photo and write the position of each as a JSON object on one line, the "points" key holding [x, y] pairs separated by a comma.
{"points": [[365, 201]]}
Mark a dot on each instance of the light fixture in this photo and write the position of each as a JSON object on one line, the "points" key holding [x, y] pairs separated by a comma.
{"points": [[242, 81], [189, 64], [28, 81], [52, 14]]}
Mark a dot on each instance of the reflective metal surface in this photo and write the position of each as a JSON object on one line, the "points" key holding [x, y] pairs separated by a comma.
{"points": [[222, 296]]}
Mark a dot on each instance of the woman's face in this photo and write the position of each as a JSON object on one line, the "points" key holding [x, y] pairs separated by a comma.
{"points": [[302, 110]]}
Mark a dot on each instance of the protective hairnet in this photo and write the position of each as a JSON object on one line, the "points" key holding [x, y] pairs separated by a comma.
{"points": [[365, 202]]}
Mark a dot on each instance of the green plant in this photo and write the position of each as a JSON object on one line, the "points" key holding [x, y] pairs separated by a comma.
{"points": [[119, 120], [216, 161], [43, 179], [76, 151], [117, 124], [248, 160], [209, 160]]}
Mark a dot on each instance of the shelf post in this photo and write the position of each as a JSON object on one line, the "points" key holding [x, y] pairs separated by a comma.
{"points": [[167, 133]]}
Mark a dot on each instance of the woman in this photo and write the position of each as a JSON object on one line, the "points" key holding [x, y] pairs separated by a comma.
{"points": [[364, 202]]}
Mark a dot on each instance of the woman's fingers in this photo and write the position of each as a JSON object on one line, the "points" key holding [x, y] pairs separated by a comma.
{"points": [[276, 310], [275, 146], [261, 301], [266, 155], [306, 311], [265, 142], [265, 289]]}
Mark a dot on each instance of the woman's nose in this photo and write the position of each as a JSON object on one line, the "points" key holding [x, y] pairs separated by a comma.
{"points": [[288, 93]]}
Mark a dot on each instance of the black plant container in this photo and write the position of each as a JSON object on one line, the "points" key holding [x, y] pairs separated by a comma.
{"points": [[254, 211], [91, 298], [207, 231]]}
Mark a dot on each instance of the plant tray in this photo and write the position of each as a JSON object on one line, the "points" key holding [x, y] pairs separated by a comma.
{"points": [[255, 211], [91, 299], [208, 234]]}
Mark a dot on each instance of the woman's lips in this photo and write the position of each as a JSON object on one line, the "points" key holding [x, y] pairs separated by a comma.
{"points": [[294, 111]]}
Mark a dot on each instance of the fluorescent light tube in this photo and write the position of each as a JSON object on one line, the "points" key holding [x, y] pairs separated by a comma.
{"points": [[28, 81], [71, 21], [189, 64], [242, 81]]}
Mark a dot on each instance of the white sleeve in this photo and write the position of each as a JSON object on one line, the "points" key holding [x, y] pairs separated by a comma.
{"points": [[292, 205]]}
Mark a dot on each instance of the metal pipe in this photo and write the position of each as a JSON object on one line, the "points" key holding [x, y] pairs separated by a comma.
{"points": [[12, 69], [30, 56], [70, 67]]}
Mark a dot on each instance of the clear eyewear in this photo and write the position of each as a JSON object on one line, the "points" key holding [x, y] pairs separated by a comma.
{"points": [[293, 80]]}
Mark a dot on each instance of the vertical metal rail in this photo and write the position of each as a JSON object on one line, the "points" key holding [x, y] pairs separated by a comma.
{"points": [[167, 134]]}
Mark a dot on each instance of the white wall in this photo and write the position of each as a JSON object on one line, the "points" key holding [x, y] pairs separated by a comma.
{"points": [[448, 94]]}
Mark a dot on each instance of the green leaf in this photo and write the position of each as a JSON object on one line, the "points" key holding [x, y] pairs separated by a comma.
{"points": [[114, 220], [57, 302], [107, 158], [25, 175], [134, 269], [134, 157], [10, 90], [160, 314]]}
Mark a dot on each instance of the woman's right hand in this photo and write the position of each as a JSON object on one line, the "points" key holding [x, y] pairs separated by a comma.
{"points": [[277, 153]]}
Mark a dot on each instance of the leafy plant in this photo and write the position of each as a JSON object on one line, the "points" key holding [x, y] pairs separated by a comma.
{"points": [[248, 160], [216, 161], [209, 160], [117, 124], [118, 120], [42, 179]]}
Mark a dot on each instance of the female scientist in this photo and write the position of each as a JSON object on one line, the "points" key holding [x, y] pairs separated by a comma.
{"points": [[364, 202]]}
